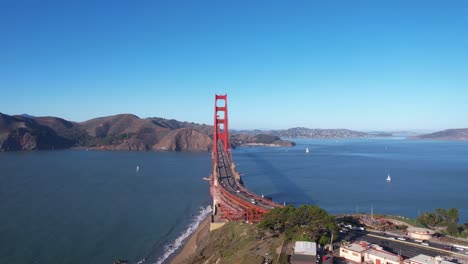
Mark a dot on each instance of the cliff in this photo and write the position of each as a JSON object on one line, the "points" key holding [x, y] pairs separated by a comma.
{"points": [[22, 133], [119, 132]]}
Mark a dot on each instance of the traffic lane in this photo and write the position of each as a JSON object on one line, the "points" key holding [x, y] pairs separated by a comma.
{"points": [[430, 243], [232, 186], [395, 246]]}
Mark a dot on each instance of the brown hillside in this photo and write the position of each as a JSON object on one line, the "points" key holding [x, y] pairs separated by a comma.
{"points": [[184, 139]]}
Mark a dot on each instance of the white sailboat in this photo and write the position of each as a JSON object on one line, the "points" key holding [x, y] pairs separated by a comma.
{"points": [[307, 150], [389, 179], [137, 168]]}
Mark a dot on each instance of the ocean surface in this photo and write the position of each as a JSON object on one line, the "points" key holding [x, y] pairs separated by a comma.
{"points": [[349, 176], [77, 206]]}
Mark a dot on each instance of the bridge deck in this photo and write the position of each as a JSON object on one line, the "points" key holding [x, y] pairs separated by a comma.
{"points": [[232, 187]]}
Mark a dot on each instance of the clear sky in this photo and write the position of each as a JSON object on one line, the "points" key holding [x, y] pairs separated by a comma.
{"points": [[319, 64]]}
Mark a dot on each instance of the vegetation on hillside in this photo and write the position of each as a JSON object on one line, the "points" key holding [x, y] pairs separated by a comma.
{"points": [[238, 243], [307, 222], [445, 218]]}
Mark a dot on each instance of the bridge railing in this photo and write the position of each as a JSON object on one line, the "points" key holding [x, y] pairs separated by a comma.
{"points": [[242, 202], [263, 199]]}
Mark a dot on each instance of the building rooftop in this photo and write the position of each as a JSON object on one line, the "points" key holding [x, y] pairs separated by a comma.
{"points": [[383, 254], [425, 259], [305, 248], [356, 247]]}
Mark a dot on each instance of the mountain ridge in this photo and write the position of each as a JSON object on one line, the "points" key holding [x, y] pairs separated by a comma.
{"points": [[116, 132], [447, 134]]}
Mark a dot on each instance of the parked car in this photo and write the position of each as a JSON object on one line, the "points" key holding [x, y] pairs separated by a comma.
{"points": [[424, 243], [402, 238]]}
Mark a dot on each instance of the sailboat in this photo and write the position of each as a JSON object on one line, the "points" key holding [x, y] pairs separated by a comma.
{"points": [[389, 179], [137, 168], [307, 150]]}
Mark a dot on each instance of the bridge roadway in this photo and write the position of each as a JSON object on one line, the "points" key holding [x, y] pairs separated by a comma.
{"points": [[228, 182]]}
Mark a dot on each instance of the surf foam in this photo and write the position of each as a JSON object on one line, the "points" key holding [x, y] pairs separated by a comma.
{"points": [[179, 241]]}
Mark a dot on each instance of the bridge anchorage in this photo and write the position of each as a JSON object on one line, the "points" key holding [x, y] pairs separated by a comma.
{"points": [[231, 200]]}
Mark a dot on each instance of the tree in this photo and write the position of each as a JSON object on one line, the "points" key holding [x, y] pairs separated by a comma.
{"points": [[452, 215], [430, 219], [452, 229], [308, 222]]}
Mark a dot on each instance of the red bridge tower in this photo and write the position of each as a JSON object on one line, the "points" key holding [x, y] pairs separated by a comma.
{"points": [[221, 127]]}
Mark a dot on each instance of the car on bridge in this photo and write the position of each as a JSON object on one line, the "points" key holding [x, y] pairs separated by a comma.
{"points": [[253, 201]]}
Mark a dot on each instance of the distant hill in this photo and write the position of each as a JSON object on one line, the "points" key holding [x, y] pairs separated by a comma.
{"points": [[448, 134], [24, 133], [118, 132], [259, 140], [302, 132]]}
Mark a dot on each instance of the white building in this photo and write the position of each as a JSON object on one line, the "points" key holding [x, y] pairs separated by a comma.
{"points": [[354, 252], [424, 259], [362, 252], [377, 256], [304, 252]]}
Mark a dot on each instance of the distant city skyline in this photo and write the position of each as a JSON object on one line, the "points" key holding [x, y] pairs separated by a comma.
{"points": [[362, 65]]}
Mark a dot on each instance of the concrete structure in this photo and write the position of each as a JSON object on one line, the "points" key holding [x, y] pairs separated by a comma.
{"points": [[304, 252], [424, 259], [303, 259], [354, 252], [377, 256], [362, 252], [420, 233], [305, 248]]}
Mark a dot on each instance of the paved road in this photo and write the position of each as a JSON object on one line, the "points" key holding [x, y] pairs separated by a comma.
{"points": [[228, 182], [407, 249]]}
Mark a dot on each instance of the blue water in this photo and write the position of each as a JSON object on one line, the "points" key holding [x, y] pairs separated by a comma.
{"points": [[77, 206], [93, 207], [345, 176]]}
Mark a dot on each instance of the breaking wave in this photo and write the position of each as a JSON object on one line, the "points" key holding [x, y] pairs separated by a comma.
{"points": [[179, 241]]}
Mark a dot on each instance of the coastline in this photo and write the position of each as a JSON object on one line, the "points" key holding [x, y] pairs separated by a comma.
{"points": [[192, 243]]}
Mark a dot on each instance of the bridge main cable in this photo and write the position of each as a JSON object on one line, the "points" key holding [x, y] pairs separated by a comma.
{"points": [[229, 194]]}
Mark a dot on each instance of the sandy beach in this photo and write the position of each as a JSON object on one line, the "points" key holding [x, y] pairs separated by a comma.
{"points": [[191, 245]]}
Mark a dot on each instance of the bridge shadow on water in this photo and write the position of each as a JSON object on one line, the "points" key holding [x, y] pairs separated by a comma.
{"points": [[287, 190]]}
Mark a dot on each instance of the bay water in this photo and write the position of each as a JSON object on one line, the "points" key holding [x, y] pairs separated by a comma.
{"points": [[77, 206]]}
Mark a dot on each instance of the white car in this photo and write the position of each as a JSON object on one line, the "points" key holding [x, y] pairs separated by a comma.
{"points": [[418, 240], [402, 238], [424, 244], [391, 238]]}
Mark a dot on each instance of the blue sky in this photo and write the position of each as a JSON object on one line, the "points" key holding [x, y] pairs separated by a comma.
{"points": [[320, 64]]}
